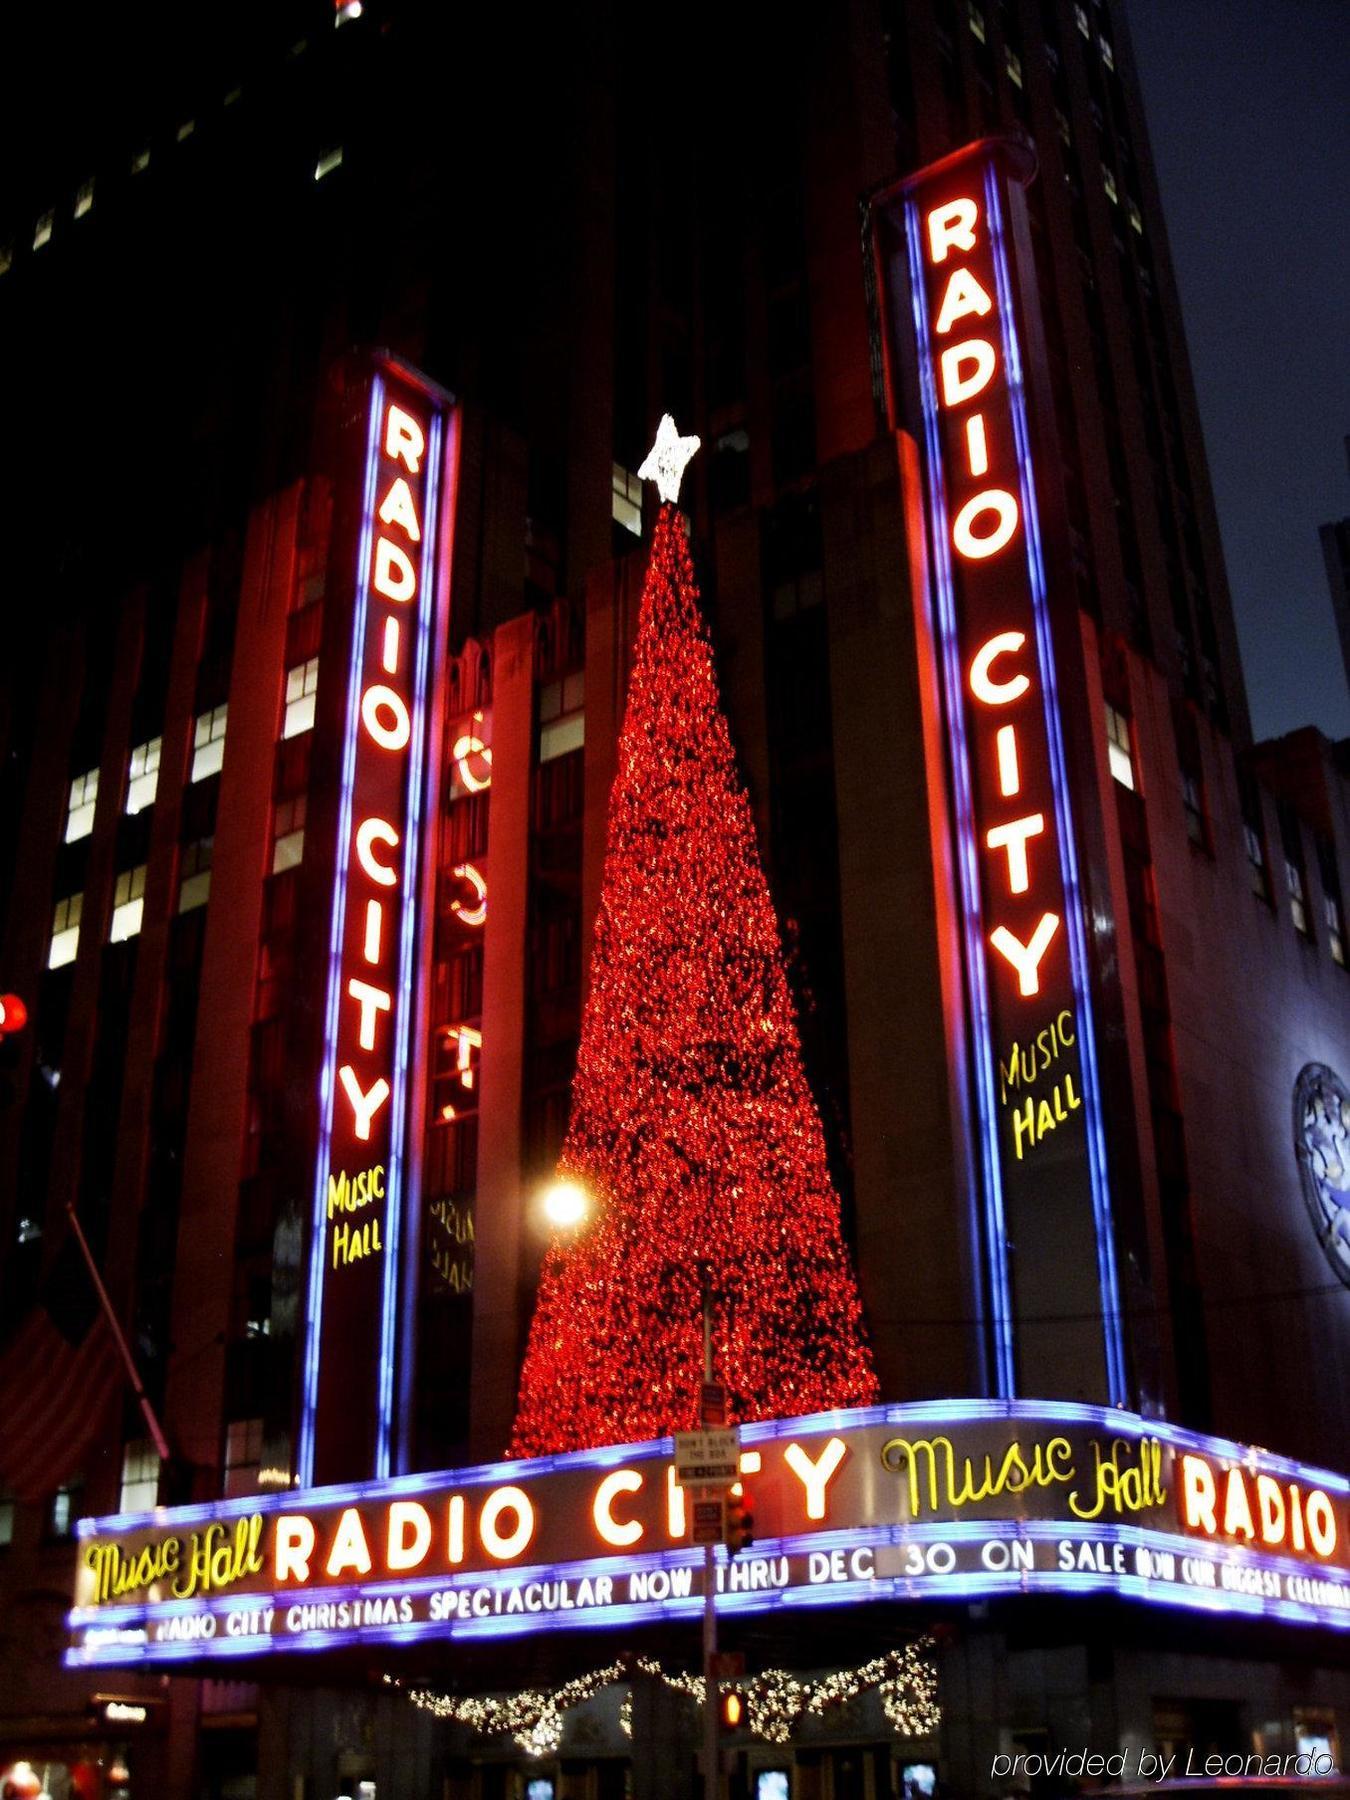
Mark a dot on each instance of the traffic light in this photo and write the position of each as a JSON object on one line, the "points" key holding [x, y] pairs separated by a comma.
{"points": [[733, 1709], [13, 1014], [740, 1521]]}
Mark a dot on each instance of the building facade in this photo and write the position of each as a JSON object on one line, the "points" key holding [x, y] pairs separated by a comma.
{"points": [[639, 220]]}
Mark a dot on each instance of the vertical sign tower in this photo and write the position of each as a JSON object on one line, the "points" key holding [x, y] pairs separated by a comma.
{"points": [[957, 294], [348, 1385]]}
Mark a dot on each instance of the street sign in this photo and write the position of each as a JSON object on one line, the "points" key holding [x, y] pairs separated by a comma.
{"points": [[707, 1457], [714, 1403], [708, 1521]]}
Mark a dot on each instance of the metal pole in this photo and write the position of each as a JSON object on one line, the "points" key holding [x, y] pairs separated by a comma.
{"points": [[153, 1425], [711, 1783]]}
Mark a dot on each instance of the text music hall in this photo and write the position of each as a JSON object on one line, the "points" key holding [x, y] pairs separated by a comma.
{"points": [[674, 1085]]}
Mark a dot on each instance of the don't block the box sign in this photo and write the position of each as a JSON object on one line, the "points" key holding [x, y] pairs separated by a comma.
{"points": [[926, 1502], [347, 1424]]}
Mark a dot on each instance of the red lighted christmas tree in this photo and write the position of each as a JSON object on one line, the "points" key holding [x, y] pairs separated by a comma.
{"points": [[692, 1126]]}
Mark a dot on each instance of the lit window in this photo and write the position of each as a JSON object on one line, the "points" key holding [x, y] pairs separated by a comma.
{"points": [[1081, 20], [80, 810], [330, 160], [140, 1477], [143, 775], [128, 905], [63, 1511], [1014, 68], [1135, 216], [288, 834], [186, 129], [1109, 183], [1062, 125], [975, 19], [1118, 752], [42, 231], [6, 1520], [243, 1456], [1298, 906], [194, 874], [65, 932], [140, 161], [208, 743], [562, 717], [1108, 54], [233, 97], [626, 500], [302, 684], [6, 256], [1335, 929]]}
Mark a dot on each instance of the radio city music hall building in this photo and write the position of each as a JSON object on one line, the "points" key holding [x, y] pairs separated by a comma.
{"points": [[309, 753]]}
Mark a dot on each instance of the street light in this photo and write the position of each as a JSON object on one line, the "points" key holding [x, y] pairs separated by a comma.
{"points": [[566, 1204]]}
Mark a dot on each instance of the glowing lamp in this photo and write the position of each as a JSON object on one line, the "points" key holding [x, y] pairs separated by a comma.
{"points": [[566, 1204], [13, 1014]]}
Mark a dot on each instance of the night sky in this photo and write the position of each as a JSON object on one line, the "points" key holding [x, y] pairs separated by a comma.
{"points": [[1248, 104]]}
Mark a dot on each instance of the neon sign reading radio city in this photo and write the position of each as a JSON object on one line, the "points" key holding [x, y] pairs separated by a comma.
{"points": [[926, 1502], [348, 1372], [1039, 1136]]}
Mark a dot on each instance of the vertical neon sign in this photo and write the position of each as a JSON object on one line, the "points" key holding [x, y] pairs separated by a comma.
{"points": [[348, 1375], [1049, 1238]]}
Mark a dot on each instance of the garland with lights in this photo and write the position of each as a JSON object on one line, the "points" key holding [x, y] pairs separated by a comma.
{"points": [[692, 1127], [776, 1702]]}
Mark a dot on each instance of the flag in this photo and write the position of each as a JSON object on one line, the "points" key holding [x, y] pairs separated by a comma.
{"points": [[58, 1376]]}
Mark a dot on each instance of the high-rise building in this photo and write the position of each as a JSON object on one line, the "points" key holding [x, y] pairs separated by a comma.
{"points": [[530, 239]]}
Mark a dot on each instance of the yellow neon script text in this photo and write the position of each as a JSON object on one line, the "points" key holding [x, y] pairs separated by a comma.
{"points": [[348, 1194], [1126, 1478], [199, 1563]]}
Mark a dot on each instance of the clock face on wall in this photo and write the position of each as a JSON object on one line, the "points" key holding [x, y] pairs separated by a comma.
{"points": [[1322, 1143]]}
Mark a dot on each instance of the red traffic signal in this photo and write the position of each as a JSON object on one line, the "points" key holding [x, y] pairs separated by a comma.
{"points": [[13, 1014], [740, 1522]]}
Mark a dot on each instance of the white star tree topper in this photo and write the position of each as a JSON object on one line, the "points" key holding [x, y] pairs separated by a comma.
{"points": [[667, 458]]}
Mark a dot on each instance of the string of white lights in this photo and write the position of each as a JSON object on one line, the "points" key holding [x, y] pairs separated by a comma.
{"points": [[775, 1702]]}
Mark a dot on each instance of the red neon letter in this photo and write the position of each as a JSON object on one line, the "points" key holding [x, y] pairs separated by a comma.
{"points": [[477, 913], [499, 1544], [975, 545], [958, 387], [963, 295], [816, 1476], [394, 576], [371, 1000], [977, 450], [1012, 837], [1026, 958], [364, 1105], [374, 931], [404, 439], [350, 1549], [397, 509], [377, 701], [292, 1546], [370, 832], [1009, 774], [951, 227], [1198, 1495], [622, 1481], [982, 683], [403, 1551]]}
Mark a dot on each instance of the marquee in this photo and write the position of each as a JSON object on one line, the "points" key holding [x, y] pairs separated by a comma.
{"points": [[924, 1503]]}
